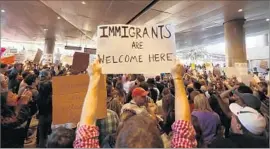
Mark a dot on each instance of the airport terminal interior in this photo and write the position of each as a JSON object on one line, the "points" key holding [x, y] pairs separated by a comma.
{"points": [[135, 73]]}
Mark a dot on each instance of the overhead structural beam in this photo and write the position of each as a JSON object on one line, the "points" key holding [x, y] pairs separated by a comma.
{"points": [[82, 32], [143, 11]]}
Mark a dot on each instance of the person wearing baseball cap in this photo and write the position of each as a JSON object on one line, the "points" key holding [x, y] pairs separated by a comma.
{"points": [[247, 127], [138, 101], [249, 100]]}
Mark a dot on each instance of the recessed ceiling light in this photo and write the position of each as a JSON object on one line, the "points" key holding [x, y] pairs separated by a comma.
{"points": [[267, 20], [45, 29], [240, 10], [83, 2], [58, 18], [3, 10]]}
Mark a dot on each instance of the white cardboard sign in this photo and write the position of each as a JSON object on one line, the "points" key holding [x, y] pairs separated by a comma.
{"points": [[136, 49], [48, 58], [242, 68]]}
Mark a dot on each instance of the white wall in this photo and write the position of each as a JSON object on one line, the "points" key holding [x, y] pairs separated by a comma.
{"points": [[257, 53]]}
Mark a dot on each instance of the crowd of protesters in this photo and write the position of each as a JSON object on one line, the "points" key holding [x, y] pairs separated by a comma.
{"points": [[189, 108]]}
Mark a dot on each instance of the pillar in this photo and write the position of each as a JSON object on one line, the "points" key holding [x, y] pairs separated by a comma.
{"points": [[234, 34], [48, 50]]}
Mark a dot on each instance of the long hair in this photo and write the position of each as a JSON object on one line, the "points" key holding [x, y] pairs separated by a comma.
{"points": [[169, 112], [199, 135], [201, 103]]}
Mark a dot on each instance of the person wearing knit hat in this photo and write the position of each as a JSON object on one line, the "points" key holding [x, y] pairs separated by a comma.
{"points": [[247, 126]]}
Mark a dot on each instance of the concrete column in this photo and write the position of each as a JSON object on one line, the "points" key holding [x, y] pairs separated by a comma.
{"points": [[49, 46], [48, 50], [235, 42]]}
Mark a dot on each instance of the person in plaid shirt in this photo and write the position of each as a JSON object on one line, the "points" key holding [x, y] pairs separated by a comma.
{"points": [[183, 132], [108, 125]]}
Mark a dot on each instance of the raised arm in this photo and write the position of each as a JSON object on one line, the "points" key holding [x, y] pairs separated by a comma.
{"points": [[182, 111], [183, 131], [87, 133]]}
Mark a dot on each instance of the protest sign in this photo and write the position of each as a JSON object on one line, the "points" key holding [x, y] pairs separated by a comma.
{"points": [[37, 57], [8, 60], [47, 58], [68, 96], [242, 68], [92, 58], [30, 55], [193, 67], [19, 57], [13, 50], [246, 79], [136, 49], [256, 79], [209, 67], [217, 71], [65, 59], [264, 64], [230, 71], [80, 62]]}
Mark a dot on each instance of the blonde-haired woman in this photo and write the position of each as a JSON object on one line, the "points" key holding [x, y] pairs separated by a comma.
{"points": [[208, 120]]}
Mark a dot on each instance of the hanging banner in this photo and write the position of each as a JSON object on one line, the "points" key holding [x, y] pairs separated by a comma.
{"points": [[136, 49]]}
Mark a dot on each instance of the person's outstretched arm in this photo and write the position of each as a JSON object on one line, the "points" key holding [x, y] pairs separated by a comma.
{"points": [[87, 133], [183, 131]]}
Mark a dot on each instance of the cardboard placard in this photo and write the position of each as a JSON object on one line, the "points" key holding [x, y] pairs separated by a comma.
{"points": [[30, 55], [256, 78], [8, 60], [230, 71], [242, 68], [193, 67], [246, 79], [264, 64], [37, 57], [19, 57], [92, 58], [66, 59], [209, 67], [68, 96], [47, 58], [131, 49], [217, 71], [80, 62]]}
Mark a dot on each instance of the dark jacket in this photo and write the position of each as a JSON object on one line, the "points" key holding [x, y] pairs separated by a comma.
{"points": [[13, 82], [44, 100], [240, 141], [160, 86], [109, 141], [13, 126]]}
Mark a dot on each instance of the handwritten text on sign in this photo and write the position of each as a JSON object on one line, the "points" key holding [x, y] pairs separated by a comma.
{"points": [[133, 49]]}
